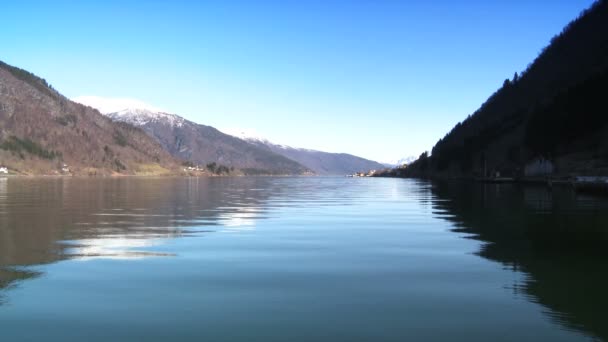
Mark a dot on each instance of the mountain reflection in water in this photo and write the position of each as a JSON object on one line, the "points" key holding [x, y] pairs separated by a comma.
{"points": [[300, 258], [47, 220], [557, 238]]}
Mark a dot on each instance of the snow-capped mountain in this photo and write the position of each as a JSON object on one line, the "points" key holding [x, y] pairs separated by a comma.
{"points": [[241, 148], [140, 117], [255, 138], [201, 144], [402, 161], [245, 134], [204, 144]]}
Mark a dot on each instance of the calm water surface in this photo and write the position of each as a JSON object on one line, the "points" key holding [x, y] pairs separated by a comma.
{"points": [[299, 259]]}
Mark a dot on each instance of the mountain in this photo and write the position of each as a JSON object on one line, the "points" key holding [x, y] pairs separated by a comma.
{"points": [[553, 114], [202, 144], [43, 132], [322, 163], [401, 161], [325, 163]]}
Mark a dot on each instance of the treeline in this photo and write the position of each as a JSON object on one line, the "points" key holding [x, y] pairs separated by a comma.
{"points": [[214, 168], [219, 169], [250, 171], [39, 83], [554, 108], [18, 146]]}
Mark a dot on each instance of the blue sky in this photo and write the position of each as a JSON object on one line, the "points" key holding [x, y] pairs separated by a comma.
{"points": [[380, 79]]}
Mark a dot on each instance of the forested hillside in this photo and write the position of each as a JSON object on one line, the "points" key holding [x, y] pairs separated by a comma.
{"points": [[42, 132], [555, 110]]}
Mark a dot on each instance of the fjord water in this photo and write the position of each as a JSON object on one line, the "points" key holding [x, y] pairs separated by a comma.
{"points": [[299, 259]]}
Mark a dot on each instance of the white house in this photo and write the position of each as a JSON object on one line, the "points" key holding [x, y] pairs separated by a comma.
{"points": [[3, 169]]}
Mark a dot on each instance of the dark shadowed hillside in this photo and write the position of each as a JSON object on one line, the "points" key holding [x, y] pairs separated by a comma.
{"points": [[555, 110], [41, 130]]}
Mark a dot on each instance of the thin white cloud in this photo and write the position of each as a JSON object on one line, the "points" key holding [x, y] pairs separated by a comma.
{"points": [[114, 104]]}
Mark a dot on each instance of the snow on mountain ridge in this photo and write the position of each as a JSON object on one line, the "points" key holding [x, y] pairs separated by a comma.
{"points": [[248, 135], [253, 137], [128, 110], [140, 117], [399, 162]]}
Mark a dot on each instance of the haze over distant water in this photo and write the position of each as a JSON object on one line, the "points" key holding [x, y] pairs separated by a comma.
{"points": [[382, 80]]}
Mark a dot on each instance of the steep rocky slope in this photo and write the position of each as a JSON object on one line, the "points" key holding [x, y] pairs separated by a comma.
{"points": [[41, 130], [202, 144]]}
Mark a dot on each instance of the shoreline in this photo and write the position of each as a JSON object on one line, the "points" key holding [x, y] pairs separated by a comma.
{"points": [[585, 185], [143, 176]]}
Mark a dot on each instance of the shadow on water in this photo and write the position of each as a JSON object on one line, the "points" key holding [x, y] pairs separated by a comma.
{"points": [[554, 237]]}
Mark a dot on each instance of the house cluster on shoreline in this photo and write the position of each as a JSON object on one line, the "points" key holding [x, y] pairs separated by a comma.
{"points": [[370, 173]]}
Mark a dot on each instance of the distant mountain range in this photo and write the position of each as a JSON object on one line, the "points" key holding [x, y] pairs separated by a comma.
{"points": [[202, 144], [322, 163], [43, 132]]}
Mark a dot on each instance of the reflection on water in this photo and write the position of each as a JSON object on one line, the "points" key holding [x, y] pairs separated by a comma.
{"points": [[558, 239], [45, 220], [299, 259]]}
